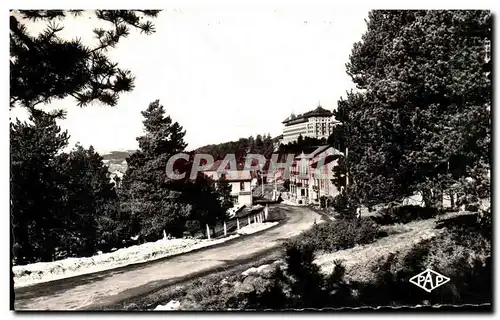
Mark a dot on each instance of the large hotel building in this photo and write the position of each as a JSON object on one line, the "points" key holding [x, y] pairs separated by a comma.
{"points": [[317, 123]]}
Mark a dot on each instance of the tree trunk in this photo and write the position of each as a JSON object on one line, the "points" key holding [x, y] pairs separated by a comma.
{"points": [[438, 199], [427, 197]]}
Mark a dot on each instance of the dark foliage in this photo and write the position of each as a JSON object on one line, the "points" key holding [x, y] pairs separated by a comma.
{"points": [[422, 121], [261, 144], [145, 194], [404, 214], [344, 206], [326, 201], [308, 287], [302, 285], [44, 67], [92, 218], [460, 254], [300, 145], [224, 191], [156, 202], [35, 194], [338, 235], [62, 204]]}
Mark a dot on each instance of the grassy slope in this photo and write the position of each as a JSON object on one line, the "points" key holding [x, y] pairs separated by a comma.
{"points": [[358, 260]]}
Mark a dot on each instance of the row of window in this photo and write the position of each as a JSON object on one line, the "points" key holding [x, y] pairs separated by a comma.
{"points": [[293, 131]]}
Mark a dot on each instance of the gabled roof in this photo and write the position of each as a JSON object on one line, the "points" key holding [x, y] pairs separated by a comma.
{"points": [[318, 151], [313, 154], [305, 152], [240, 174], [326, 161]]}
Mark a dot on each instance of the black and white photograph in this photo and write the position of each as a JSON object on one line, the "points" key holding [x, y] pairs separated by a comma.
{"points": [[251, 157]]}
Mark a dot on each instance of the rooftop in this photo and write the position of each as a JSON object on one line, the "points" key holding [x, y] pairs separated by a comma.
{"points": [[313, 153], [326, 161], [240, 174], [318, 112]]}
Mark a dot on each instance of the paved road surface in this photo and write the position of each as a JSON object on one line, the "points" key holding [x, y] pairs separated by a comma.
{"points": [[112, 286]]}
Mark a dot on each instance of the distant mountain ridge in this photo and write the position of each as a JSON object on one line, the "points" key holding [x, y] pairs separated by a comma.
{"points": [[117, 154], [117, 161]]}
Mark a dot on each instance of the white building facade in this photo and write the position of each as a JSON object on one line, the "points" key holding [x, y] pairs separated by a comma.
{"points": [[240, 182], [317, 123], [311, 175]]}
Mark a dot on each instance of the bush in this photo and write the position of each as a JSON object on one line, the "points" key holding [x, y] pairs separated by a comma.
{"points": [[473, 207], [404, 214], [460, 253], [338, 234], [302, 285], [343, 206], [326, 201]]}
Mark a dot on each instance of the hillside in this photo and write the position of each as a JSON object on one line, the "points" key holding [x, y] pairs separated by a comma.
{"points": [[259, 144]]}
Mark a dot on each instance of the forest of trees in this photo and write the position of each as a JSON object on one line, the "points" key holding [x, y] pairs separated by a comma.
{"points": [[420, 120], [64, 204], [305, 144], [260, 144]]}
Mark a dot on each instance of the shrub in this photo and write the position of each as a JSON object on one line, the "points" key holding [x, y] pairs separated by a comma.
{"points": [[192, 227], [209, 294], [473, 207], [343, 206], [309, 288], [460, 253], [326, 201], [274, 297], [338, 234], [404, 214], [302, 285]]}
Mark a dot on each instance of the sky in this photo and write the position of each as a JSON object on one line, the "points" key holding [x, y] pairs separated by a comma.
{"points": [[222, 73]]}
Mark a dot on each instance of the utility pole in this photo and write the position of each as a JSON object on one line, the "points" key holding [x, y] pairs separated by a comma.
{"points": [[262, 183], [275, 187], [274, 173]]}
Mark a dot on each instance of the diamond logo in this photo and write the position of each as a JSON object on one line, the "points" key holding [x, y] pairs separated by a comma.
{"points": [[429, 280]]}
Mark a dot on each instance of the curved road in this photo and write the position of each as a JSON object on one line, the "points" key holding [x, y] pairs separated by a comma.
{"points": [[109, 287]]}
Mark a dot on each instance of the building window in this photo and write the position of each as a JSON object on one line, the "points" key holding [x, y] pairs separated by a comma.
{"points": [[242, 186]]}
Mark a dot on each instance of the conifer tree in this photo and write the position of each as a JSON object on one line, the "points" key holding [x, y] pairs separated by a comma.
{"points": [[421, 119], [224, 190], [35, 192], [152, 201], [45, 66]]}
